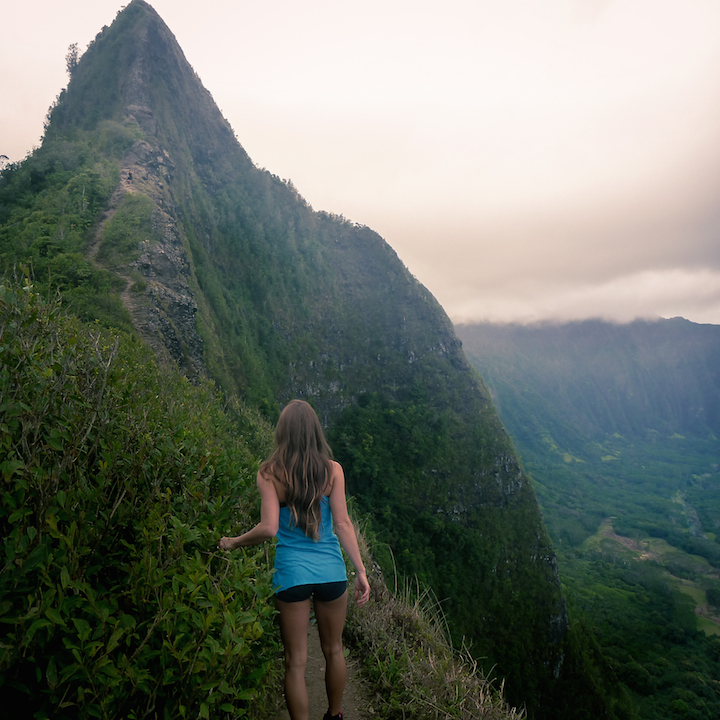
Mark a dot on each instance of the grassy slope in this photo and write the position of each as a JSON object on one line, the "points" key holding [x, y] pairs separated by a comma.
{"points": [[115, 477]]}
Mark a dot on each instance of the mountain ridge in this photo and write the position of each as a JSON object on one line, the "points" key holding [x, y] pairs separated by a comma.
{"points": [[663, 372], [230, 273]]}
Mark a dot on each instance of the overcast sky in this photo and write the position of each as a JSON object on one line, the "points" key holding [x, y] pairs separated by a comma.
{"points": [[527, 159]]}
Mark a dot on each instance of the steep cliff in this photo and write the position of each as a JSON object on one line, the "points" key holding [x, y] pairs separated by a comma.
{"points": [[594, 378], [226, 270]]}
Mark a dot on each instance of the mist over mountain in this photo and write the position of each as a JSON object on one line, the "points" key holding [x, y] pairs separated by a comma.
{"points": [[147, 214], [595, 378]]}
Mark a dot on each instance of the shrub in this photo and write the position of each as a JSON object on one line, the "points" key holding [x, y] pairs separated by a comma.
{"points": [[114, 474], [713, 597]]}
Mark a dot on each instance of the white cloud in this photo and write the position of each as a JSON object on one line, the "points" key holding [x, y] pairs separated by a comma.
{"points": [[647, 294]]}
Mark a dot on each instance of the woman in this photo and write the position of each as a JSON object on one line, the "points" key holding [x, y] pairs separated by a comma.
{"points": [[303, 498]]}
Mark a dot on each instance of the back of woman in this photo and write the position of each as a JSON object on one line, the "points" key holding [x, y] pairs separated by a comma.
{"points": [[303, 502]]}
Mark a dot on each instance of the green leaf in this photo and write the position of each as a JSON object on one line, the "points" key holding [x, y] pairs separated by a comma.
{"points": [[114, 640], [109, 670], [83, 628], [51, 673], [37, 556], [18, 514], [36, 625], [55, 616], [9, 467], [126, 621], [69, 671]]}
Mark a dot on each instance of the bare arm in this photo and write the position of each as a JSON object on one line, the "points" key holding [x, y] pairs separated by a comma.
{"points": [[269, 518], [345, 531]]}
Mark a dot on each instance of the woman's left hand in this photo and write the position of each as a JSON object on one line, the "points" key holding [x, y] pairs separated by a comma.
{"points": [[362, 589], [226, 543]]}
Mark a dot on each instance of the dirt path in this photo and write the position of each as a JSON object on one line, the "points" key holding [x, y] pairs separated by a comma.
{"points": [[356, 701], [124, 187]]}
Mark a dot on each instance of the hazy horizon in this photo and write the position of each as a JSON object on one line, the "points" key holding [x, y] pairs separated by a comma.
{"points": [[526, 160]]}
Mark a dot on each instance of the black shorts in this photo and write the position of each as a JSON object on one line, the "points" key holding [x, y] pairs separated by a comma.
{"points": [[323, 592]]}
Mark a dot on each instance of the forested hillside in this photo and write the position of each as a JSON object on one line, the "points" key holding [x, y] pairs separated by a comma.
{"points": [[618, 427], [145, 212], [597, 378]]}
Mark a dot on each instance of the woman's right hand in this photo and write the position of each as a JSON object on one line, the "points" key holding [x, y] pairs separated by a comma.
{"points": [[362, 589], [226, 543]]}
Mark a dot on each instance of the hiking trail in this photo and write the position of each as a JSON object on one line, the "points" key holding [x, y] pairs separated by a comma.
{"points": [[357, 700]]}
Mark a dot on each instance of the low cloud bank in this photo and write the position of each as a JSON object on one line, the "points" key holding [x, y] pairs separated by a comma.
{"points": [[692, 294]]}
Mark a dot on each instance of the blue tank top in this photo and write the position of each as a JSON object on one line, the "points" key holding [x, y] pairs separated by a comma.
{"points": [[300, 560]]}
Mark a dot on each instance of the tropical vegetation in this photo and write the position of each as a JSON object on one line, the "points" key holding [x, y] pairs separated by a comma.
{"points": [[146, 214]]}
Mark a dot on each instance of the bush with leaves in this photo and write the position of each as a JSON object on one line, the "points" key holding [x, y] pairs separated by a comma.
{"points": [[114, 474]]}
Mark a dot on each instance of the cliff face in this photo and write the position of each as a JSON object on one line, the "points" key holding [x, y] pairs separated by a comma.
{"points": [[596, 378], [226, 270], [157, 292]]}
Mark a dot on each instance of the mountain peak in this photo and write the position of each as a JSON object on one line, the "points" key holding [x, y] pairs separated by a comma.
{"points": [[135, 72]]}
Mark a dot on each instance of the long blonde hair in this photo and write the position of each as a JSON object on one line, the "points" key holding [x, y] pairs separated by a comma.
{"points": [[302, 463]]}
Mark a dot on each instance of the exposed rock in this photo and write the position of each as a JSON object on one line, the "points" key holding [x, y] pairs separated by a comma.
{"points": [[161, 304]]}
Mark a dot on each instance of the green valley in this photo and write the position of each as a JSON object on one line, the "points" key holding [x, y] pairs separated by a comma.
{"points": [[618, 428]]}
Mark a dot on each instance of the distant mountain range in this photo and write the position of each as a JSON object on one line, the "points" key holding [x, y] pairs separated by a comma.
{"points": [[595, 378]]}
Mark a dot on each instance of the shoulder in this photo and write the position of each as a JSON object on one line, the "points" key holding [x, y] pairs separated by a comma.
{"points": [[336, 470], [337, 478], [267, 480]]}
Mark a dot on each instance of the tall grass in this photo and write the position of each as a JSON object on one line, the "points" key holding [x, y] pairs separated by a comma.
{"points": [[403, 640]]}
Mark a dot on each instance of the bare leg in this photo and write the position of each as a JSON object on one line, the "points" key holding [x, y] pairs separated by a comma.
{"points": [[330, 618], [294, 620]]}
